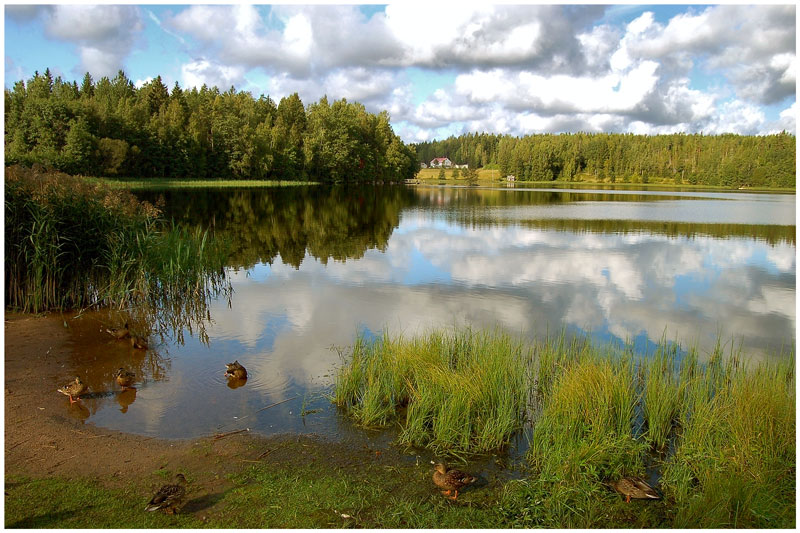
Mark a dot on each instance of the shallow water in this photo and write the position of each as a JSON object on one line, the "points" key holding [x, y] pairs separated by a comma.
{"points": [[311, 267]]}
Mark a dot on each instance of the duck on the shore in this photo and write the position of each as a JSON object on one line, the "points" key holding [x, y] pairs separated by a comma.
{"points": [[450, 479], [73, 389], [119, 333], [168, 497], [632, 487], [235, 370], [125, 378], [139, 342]]}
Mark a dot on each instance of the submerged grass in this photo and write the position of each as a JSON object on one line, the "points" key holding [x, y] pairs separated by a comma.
{"points": [[721, 434]]}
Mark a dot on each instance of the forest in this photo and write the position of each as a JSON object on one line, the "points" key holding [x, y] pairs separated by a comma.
{"points": [[112, 128], [722, 160]]}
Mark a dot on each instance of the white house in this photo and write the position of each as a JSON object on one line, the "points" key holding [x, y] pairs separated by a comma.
{"points": [[441, 162]]}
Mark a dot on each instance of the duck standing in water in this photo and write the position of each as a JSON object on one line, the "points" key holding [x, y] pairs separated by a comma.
{"points": [[632, 487], [139, 343], [168, 497], [235, 370], [125, 378], [119, 333], [74, 389], [450, 480]]}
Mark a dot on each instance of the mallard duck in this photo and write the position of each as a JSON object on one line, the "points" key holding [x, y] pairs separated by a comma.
{"points": [[125, 378], [168, 497], [73, 389], [632, 487], [119, 333], [235, 370], [139, 342], [450, 480]]}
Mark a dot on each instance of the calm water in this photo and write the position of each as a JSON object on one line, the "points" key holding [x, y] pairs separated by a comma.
{"points": [[313, 266]]}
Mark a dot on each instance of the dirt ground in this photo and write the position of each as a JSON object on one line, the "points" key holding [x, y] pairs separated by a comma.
{"points": [[45, 436]]}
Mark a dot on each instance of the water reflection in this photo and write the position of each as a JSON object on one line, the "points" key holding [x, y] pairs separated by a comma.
{"points": [[408, 260]]}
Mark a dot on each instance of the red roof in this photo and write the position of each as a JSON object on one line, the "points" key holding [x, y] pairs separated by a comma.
{"points": [[439, 158]]}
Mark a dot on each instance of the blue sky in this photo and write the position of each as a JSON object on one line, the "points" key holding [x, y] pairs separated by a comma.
{"points": [[443, 69]]}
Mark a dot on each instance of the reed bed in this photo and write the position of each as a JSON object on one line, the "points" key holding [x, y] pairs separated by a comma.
{"points": [[716, 436], [71, 244]]}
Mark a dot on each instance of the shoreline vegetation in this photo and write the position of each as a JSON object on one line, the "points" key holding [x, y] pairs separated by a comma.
{"points": [[726, 160], [112, 128], [491, 176], [73, 244], [720, 435]]}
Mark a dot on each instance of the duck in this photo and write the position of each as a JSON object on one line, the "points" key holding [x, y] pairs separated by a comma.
{"points": [[235, 370], [139, 342], [74, 389], [119, 333], [633, 487], [450, 479], [168, 497], [124, 378]]}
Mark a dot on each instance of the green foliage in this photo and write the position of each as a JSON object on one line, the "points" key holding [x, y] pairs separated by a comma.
{"points": [[720, 160], [72, 244], [113, 128]]}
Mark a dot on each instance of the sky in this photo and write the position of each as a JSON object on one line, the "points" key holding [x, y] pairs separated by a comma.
{"points": [[443, 69]]}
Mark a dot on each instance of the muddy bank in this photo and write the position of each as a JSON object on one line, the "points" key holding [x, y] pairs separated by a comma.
{"points": [[46, 437]]}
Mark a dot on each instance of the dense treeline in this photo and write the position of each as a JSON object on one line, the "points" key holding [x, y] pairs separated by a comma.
{"points": [[111, 128], [726, 160]]}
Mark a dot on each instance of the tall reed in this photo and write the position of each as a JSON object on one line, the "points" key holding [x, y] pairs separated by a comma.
{"points": [[72, 244]]}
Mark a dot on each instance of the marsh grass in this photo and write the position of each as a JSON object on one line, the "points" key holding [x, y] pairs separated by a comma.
{"points": [[71, 244], [719, 432], [734, 463], [456, 392], [661, 394]]}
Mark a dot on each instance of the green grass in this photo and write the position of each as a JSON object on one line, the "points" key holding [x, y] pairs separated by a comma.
{"points": [[456, 392], [260, 496], [163, 183], [721, 434], [81, 503]]}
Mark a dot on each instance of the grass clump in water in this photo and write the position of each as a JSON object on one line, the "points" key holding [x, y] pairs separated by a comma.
{"points": [[582, 438], [661, 394], [734, 463], [462, 391]]}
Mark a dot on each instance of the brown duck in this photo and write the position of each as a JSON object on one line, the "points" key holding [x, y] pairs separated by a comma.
{"points": [[119, 333], [74, 389], [450, 480], [139, 342], [632, 487], [235, 370], [125, 378], [168, 497]]}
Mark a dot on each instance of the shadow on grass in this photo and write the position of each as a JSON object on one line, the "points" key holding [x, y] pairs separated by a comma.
{"points": [[202, 503], [48, 520]]}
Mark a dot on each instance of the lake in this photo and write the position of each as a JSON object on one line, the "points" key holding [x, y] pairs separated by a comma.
{"points": [[313, 267]]}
